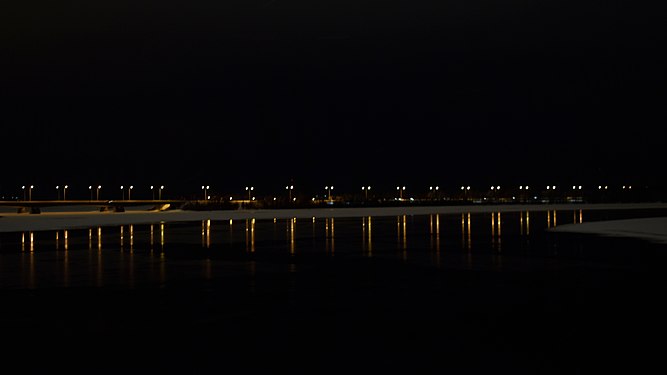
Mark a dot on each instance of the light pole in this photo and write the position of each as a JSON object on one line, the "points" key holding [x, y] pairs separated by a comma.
{"points": [[122, 190], [152, 192], [249, 189], [431, 189], [205, 188], [97, 192], [160, 192], [90, 187], [58, 190], [329, 188], [365, 189], [65, 192], [129, 193], [465, 192], [523, 196], [289, 189], [400, 192]]}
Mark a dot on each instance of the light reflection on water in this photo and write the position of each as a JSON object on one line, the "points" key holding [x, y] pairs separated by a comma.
{"points": [[127, 255]]}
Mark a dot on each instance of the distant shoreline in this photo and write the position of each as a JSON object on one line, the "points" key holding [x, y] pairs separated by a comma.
{"points": [[15, 222]]}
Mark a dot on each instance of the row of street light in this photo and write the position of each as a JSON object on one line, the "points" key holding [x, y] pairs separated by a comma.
{"points": [[27, 190]]}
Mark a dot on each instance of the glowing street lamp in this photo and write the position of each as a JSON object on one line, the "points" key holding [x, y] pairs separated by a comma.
{"points": [[65, 192], [249, 189], [289, 188], [365, 189], [97, 193], [29, 192], [90, 187], [160, 192], [129, 193], [432, 189], [465, 192], [205, 188], [122, 189], [400, 191], [329, 188], [58, 190]]}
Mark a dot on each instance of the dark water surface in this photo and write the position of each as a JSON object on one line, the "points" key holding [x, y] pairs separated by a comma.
{"points": [[472, 293]]}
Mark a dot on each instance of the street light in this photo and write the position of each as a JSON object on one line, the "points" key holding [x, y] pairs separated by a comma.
{"points": [[90, 187], [29, 192], [329, 188], [289, 189], [465, 192], [431, 189], [129, 193], [249, 189], [160, 192], [400, 192], [205, 188], [97, 193], [122, 189], [58, 190], [65, 192], [365, 189]]}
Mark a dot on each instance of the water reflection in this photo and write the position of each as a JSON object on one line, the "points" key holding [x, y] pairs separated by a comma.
{"points": [[551, 220], [291, 223], [250, 235], [496, 228], [329, 236], [434, 231], [524, 223], [46, 257], [466, 236], [367, 236]]}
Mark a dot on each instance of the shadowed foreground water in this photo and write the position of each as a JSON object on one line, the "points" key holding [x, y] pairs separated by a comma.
{"points": [[470, 293]]}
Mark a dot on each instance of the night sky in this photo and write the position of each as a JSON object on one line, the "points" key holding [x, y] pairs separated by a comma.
{"points": [[231, 93]]}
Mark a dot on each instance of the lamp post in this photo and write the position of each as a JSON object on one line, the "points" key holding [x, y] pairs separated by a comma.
{"points": [[522, 196], [58, 190], [496, 189], [90, 187], [365, 189], [205, 188], [400, 192], [29, 192], [65, 192], [160, 192], [152, 192], [122, 189], [249, 189], [129, 193], [465, 192], [97, 192], [432, 189], [289, 189], [329, 188]]}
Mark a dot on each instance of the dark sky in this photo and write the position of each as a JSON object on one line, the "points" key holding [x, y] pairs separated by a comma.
{"points": [[391, 92]]}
